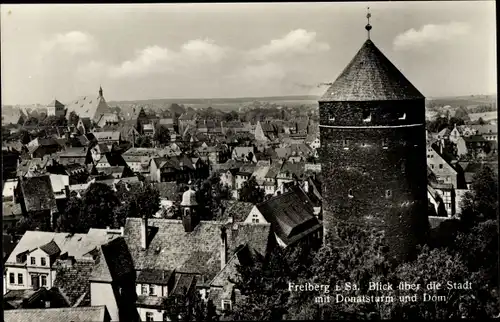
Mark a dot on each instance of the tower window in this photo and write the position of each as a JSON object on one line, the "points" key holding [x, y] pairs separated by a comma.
{"points": [[349, 194], [331, 117], [388, 193], [345, 142], [402, 116], [385, 142], [367, 116], [403, 167]]}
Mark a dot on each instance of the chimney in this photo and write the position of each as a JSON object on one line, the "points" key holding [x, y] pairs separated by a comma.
{"points": [[144, 231], [223, 250], [188, 221]]}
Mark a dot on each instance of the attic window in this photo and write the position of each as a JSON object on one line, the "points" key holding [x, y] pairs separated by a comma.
{"points": [[349, 194], [440, 166]]}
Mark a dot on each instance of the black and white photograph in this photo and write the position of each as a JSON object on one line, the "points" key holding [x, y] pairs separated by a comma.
{"points": [[198, 162]]}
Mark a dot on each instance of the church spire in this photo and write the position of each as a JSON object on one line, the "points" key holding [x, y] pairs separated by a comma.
{"points": [[368, 27], [100, 91]]}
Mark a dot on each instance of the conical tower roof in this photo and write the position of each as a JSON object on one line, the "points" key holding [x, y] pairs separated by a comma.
{"points": [[370, 76]]}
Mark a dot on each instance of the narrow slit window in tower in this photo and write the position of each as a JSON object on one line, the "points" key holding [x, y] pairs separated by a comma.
{"points": [[385, 143], [402, 116], [367, 116], [349, 194], [331, 117], [388, 193]]}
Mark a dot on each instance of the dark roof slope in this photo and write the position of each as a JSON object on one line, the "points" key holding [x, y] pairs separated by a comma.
{"points": [[51, 248], [81, 314], [38, 193], [73, 281], [115, 262], [290, 214], [370, 76]]}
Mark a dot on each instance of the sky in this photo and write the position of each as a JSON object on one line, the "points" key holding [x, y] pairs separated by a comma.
{"points": [[237, 50]]}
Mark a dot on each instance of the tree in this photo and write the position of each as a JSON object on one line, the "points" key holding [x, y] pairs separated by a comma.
{"points": [[437, 265], [162, 135], [53, 120], [98, 204], [481, 203], [251, 192], [139, 202], [209, 195], [73, 118], [31, 121], [263, 284], [143, 142], [70, 219]]}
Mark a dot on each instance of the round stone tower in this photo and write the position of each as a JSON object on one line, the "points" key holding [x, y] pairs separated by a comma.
{"points": [[373, 151]]}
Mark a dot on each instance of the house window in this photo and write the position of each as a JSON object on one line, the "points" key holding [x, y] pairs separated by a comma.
{"points": [[226, 305], [44, 280], [440, 166], [432, 166], [44, 261], [151, 290], [255, 219], [33, 260], [12, 279], [349, 193], [20, 279], [388, 193], [144, 289], [149, 316]]}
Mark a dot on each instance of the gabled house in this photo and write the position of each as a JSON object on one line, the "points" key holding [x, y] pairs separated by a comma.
{"points": [[244, 154], [475, 145], [84, 125], [442, 169], [113, 281], [32, 263], [75, 156], [265, 131], [178, 169], [106, 119], [108, 138], [291, 216], [189, 248], [38, 148]]}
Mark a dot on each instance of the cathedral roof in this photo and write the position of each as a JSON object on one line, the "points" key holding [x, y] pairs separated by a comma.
{"points": [[370, 76]]}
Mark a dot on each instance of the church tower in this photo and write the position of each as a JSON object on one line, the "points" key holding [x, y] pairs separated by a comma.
{"points": [[373, 151]]}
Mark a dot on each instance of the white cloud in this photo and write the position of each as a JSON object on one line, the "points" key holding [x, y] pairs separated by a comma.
{"points": [[156, 59], [206, 49], [148, 60], [73, 42], [298, 41], [429, 34]]}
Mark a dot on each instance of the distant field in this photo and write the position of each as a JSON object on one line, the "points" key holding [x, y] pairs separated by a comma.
{"points": [[467, 101]]}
